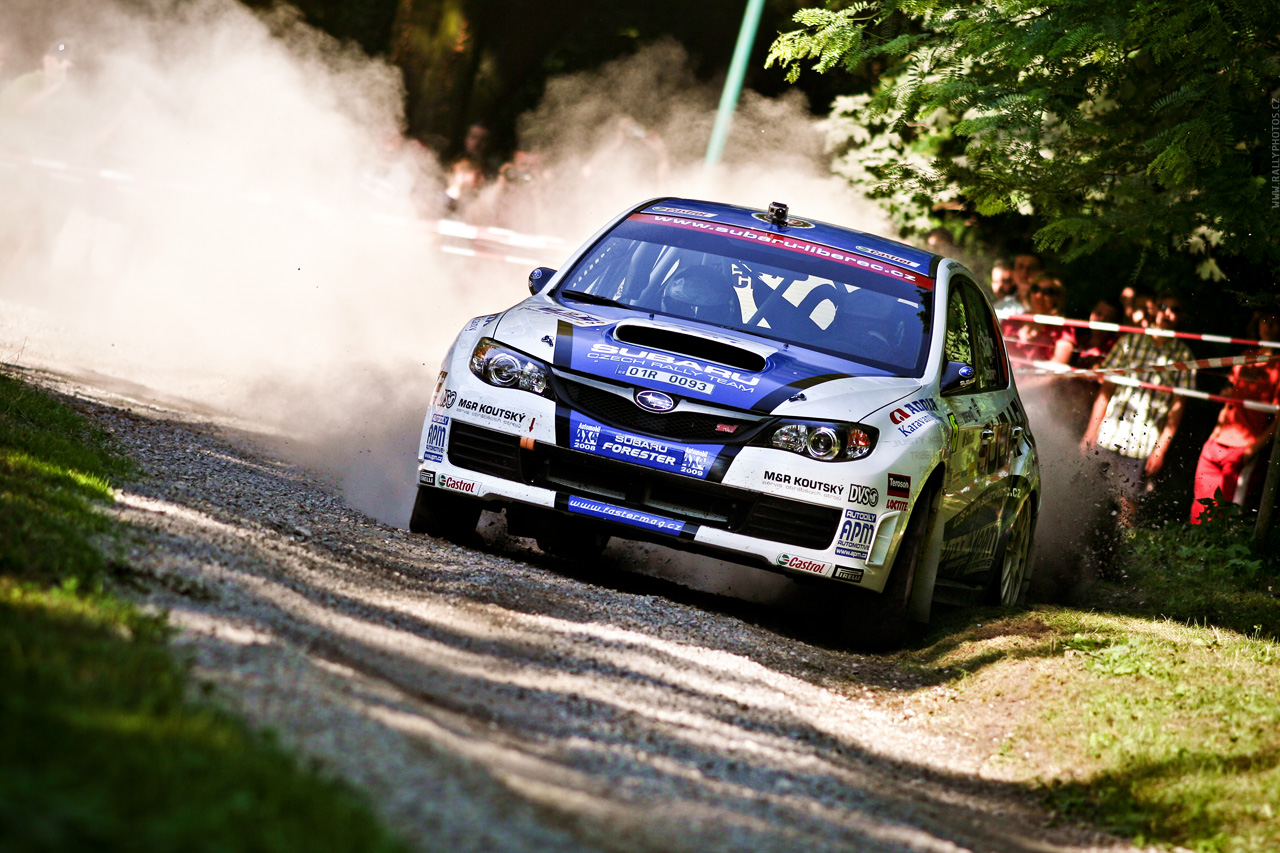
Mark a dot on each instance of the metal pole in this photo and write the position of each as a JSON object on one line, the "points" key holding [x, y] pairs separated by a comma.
{"points": [[1269, 488], [733, 83]]}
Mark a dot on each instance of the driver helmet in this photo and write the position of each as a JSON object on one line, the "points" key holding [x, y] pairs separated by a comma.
{"points": [[701, 293]]}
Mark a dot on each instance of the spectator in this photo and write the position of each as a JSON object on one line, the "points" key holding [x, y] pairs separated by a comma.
{"points": [[1001, 280], [1089, 347], [1241, 434], [1130, 429], [1031, 341], [1027, 267], [1139, 306], [467, 175], [26, 93]]}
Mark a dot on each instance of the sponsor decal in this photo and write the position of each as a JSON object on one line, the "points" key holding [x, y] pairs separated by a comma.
{"points": [[802, 564], [488, 411], [680, 211], [437, 435], [864, 495], [845, 574], [899, 486], [574, 318], [427, 478], [671, 364], [686, 382], [651, 453], [970, 550], [908, 418], [480, 322], [623, 515], [855, 534], [793, 244], [802, 484], [895, 505], [454, 484], [450, 397], [887, 256]]}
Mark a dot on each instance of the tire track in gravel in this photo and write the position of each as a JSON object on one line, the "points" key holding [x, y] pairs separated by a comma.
{"points": [[494, 700]]}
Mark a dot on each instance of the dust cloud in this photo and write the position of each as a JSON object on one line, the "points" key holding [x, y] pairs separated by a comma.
{"points": [[220, 206]]}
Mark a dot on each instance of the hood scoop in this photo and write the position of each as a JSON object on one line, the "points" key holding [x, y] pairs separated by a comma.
{"points": [[691, 345]]}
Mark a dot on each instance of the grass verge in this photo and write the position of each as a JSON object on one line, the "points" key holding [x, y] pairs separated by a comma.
{"points": [[1155, 714], [99, 749]]}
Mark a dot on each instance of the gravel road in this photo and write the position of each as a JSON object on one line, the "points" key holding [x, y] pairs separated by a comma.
{"points": [[494, 699]]}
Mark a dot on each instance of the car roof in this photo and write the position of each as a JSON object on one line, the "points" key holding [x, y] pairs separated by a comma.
{"points": [[835, 236]]}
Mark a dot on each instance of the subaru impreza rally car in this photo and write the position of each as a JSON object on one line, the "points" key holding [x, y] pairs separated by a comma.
{"points": [[776, 392]]}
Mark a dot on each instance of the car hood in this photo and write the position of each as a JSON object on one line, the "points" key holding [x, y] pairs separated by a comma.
{"points": [[700, 363]]}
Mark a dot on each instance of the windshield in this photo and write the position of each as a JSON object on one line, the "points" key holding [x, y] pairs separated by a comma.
{"points": [[776, 286]]}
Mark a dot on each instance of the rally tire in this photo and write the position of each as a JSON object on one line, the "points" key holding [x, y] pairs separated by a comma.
{"points": [[880, 622], [444, 515], [1010, 572]]}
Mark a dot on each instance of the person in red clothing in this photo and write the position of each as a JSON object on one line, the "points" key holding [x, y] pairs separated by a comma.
{"points": [[1241, 433]]}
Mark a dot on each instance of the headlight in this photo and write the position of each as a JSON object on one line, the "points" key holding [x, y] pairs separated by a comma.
{"points": [[826, 442], [506, 368]]}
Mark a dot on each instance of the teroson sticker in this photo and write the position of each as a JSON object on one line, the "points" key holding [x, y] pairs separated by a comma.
{"points": [[855, 534], [437, 433], [621, 514], [899, 486], [802, 564], [863, 495], [591, 437], [804, 485], [576, 318], [492, 413]]}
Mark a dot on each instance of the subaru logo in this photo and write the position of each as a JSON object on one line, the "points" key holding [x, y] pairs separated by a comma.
{"points": [[655, 401]]}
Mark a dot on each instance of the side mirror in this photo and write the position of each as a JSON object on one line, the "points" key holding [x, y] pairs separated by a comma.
{"points": [[538, 279], [957, 376]]}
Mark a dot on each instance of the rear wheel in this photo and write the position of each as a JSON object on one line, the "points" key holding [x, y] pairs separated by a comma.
{"points": [[443, 515], [880, 622], [1011, 569]]}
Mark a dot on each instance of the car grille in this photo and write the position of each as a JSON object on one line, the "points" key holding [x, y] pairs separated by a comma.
{"points": [[620, 411], [789, 522]]}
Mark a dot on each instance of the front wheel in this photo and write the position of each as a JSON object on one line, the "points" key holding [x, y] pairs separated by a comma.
{"points": [[443, 515], [879, 622], [1011, 570]]}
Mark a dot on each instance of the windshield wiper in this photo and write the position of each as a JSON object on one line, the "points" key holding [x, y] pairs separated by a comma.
{"points": [[594, 299]]}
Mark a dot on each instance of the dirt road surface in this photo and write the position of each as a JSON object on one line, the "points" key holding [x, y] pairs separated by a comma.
{"points": [[494, 699]]}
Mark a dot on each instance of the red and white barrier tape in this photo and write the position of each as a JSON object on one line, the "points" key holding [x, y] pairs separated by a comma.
{"points": [[1116, 376], [1169, 367], [1051, 320]]}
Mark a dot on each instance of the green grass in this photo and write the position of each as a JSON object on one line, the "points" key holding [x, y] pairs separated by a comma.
{"points": [[1156, 714], [99, 748]]}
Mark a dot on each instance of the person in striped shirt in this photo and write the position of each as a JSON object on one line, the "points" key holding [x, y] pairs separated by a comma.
{"points": [[1130, 429]]}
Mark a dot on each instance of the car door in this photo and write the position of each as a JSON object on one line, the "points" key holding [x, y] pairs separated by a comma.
{"points": [[982, 435]]}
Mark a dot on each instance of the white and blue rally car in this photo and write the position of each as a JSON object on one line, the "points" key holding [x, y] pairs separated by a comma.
{"points": [[772, 391]]}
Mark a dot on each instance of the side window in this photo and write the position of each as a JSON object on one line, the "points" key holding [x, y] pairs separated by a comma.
{"points": [[958, 345], [989, 356]]}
